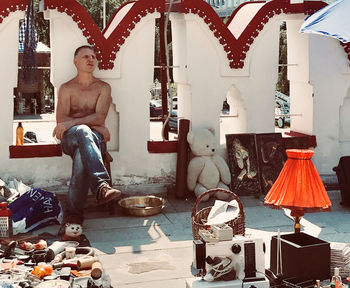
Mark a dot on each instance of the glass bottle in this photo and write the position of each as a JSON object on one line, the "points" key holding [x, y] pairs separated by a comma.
{"points": [[19, 134], [5, 221], [318, 284], [336, 279]]}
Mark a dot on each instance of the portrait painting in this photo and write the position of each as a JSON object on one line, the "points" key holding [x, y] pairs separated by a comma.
{"points": [[243, 164], [271, 158]]}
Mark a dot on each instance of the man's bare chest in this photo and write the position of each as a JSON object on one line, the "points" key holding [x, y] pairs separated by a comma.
{"points": [[84, 101]]}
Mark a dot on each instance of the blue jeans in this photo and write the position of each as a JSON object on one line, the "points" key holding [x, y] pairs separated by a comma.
{"points": [[86, 147]]}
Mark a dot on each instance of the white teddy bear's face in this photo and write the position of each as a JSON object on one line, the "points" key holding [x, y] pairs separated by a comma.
{"points": [[73, 230], [202, 142]]}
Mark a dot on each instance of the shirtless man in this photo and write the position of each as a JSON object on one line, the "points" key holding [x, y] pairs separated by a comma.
{"points": [[83, 104]]}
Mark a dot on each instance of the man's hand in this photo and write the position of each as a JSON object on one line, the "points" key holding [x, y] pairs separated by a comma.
{"points": [[103, 130], [60, 129]]}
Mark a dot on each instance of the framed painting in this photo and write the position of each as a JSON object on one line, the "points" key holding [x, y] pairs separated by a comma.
{"points": [[243, 164], [271, 158]]}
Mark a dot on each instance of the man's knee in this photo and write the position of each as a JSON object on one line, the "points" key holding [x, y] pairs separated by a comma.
{"points": [[83, 130]]}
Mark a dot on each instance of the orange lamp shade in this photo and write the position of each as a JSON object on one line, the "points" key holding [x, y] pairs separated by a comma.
{"points": [[299, 186]]}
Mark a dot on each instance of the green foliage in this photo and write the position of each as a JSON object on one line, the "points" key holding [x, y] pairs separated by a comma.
{"points": [[283, 83], [95, 9], [42, 29], [47, 89], [157, 56]]}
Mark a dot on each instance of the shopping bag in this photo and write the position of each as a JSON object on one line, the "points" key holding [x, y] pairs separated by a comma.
{"points": [[35, 209]]}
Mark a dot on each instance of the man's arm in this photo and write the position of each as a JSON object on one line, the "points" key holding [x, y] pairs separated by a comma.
{"points": [[65, 121], [103, 130], [62, 111], [63, 104]]}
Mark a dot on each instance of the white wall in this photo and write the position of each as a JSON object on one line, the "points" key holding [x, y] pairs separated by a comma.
{"points": [[344, 118], [301, 100], [238, 112], [319, 81], [344, 131], [210, 78], [9, 29], [36, 168], [330, 78]]}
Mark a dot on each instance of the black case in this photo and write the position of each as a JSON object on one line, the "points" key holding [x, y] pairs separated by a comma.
{"points": [[343, 175], [303, 257]]}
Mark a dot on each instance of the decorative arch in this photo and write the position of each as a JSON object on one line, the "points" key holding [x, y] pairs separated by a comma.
{"points": [[107, 48], [8, 6], [236, 49], [238, 111]]}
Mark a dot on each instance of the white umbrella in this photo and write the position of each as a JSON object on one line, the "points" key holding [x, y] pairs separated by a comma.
{"points": [[332, 20]]}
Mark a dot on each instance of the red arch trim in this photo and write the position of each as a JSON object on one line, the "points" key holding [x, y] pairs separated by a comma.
{"points": [[115, 13], [107, 49], [8, 6], [236, 49]]}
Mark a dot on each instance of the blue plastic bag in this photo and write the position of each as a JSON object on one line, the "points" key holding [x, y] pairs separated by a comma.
{"points": [[36, 208]]}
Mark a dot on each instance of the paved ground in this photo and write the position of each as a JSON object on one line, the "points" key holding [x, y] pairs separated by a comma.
{"points": [[156, 251]]}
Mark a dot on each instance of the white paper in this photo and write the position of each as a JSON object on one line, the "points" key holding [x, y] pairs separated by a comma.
{"points": [[222, 212]]}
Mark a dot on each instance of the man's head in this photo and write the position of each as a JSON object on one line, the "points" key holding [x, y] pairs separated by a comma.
{"points": [[82, 47], [85, 58]]}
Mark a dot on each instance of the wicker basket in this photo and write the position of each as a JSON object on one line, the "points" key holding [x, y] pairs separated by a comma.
{"points": [[199, 218]]}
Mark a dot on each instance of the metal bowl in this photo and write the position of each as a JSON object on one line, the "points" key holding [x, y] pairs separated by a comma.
{"points": [[142, 205]]}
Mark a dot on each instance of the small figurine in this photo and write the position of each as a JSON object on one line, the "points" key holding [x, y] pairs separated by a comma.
{"points": [[42, 244], [72, 231], [28, 246]]}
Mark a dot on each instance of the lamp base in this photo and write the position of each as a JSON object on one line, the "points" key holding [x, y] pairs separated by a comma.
{"points": [[297, 214]]}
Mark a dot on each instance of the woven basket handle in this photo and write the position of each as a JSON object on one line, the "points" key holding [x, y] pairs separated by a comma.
{"points": [[214, 191]]}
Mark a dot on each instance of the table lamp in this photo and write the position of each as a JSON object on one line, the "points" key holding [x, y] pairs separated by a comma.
{"points": [[298, 187]]}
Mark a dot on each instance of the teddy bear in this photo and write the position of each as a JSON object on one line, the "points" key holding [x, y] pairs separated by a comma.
{"points": [[207, 169]]}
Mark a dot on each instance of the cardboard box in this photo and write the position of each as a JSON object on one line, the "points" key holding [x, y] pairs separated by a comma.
{"points": [[303, 256]]}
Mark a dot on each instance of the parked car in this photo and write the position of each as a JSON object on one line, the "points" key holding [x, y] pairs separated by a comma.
{"points": [[225, 106], [282, 103], [155, 108], [30, 137], [281, 120], [173, 123], [175, 103]]}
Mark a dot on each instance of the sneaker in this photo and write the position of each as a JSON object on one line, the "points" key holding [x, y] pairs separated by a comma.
{"points": [[107, 194]]}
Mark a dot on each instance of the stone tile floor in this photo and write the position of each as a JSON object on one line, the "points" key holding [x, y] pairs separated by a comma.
{"points": [[156, 251]]}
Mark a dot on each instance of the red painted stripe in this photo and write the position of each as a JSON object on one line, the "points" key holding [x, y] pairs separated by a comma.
{"points": [[32, 151]]}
